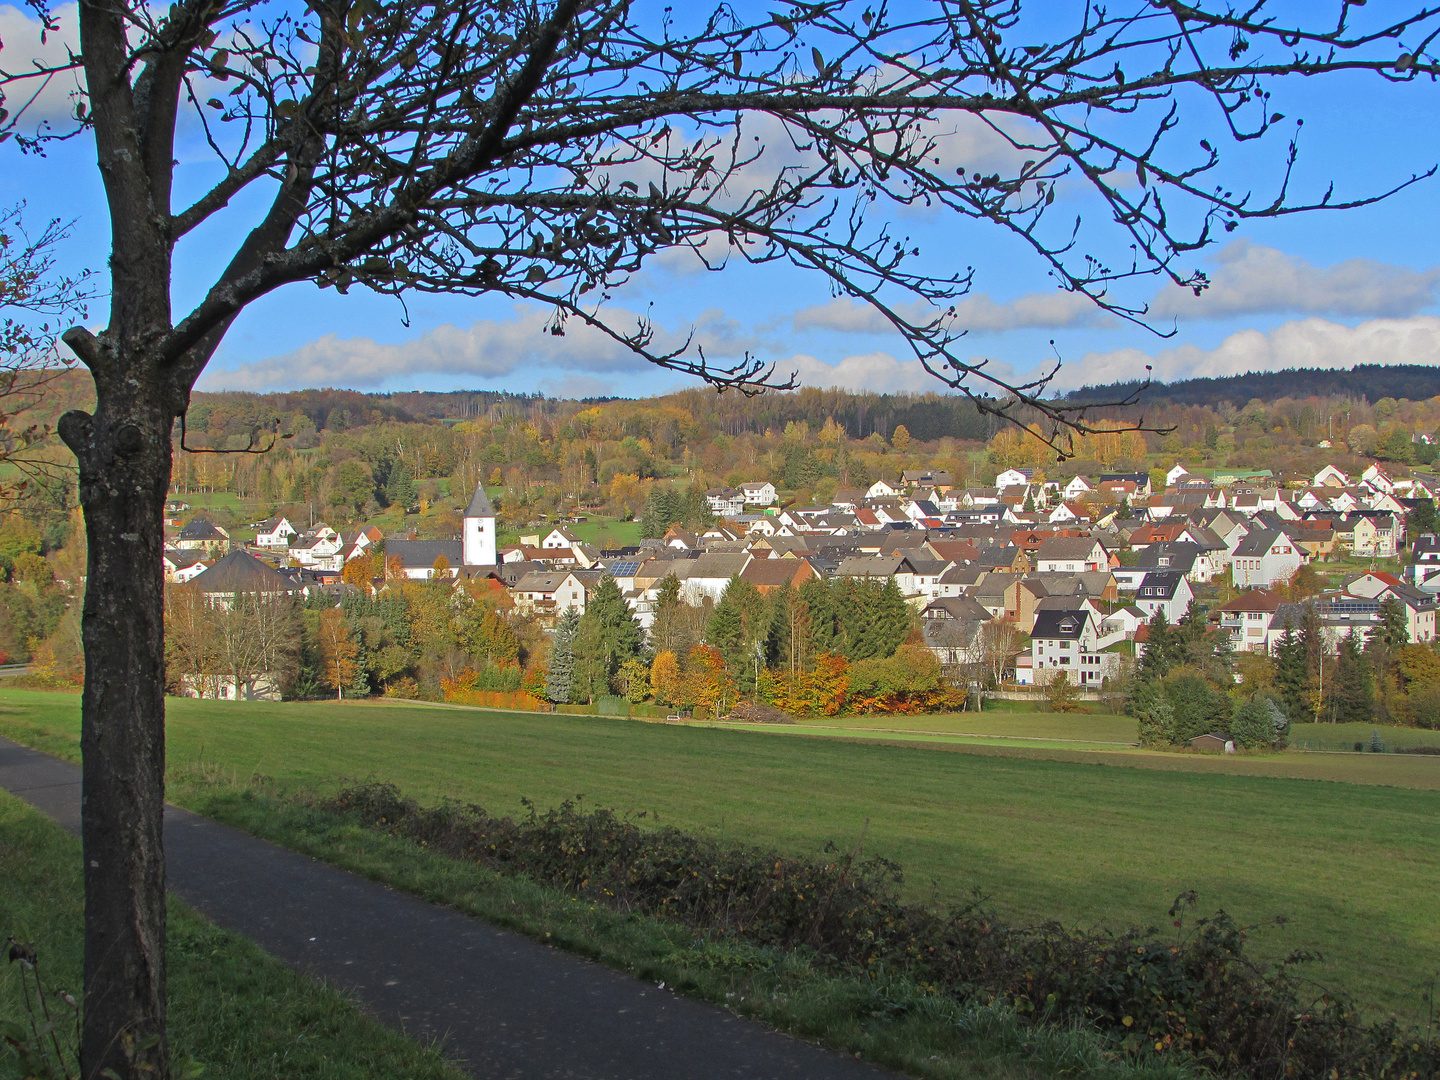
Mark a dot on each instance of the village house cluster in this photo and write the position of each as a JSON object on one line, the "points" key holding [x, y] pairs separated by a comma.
{"points": [[1081, 567]]}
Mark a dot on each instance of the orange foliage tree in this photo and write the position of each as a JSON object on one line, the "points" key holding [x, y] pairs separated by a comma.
{"points": [[711, 688], [821, 690]]}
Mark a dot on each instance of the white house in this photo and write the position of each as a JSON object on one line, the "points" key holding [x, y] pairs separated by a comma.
{"points": [[1071, 555], [882, 489], [1068, 641], [1330, 476], [1264, 557], [556, 538], [1164, 590], [1014, 478], [762, 494], [727, 502], [1377, 479], [709, 575], [274, 532], [549, 593], [1077, 486]]}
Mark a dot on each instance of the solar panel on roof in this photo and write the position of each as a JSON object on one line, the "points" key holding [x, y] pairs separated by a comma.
{"points": [[623, 568]]}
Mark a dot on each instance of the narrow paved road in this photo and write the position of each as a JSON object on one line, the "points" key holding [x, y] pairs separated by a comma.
{"points": [[503, 1006]]}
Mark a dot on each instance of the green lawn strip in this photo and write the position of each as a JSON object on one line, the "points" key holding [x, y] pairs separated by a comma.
{"points": [[889, 1021], [241, 1013], [1044, 839], [1341, 737], [1101, 728], [901, 736]]}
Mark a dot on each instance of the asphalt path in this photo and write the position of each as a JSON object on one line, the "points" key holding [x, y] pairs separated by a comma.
{"points": [[501, 1005]]}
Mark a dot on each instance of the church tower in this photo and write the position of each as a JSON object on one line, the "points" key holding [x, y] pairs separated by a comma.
{"points": [[478, 535]]}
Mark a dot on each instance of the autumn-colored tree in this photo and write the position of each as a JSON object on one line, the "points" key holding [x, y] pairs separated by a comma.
{"points": [[440, 568], [712, 688], [665, 678], [489, 636], [359, 571], [337, 651], [190, 645], [634, 680], [1419, 666], [900, 438], [1061, 694]]}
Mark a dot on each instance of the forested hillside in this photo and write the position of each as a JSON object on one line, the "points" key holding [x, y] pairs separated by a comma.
{"points": [[1369, 382]]}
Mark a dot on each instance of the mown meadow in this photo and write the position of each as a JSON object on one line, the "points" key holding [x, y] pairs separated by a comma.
{"points": [[1350, 865]]}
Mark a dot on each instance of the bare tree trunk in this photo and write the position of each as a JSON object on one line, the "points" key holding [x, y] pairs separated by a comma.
{"points": [[124, 454]]}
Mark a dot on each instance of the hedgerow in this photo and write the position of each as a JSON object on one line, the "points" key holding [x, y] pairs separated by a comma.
{"points": [[1190, 991]]}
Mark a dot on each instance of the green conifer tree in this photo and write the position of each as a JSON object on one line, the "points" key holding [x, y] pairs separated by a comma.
{"points": [[589, 672], [619, 635], [1291, 675], [399, 488], [1159, 654], [562, 658], [1351, 694], [894, 619]]}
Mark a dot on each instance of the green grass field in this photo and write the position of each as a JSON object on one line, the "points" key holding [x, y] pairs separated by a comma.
{"points": [[214, 500], [1352, 865], [235, 1010], [607, 532]]}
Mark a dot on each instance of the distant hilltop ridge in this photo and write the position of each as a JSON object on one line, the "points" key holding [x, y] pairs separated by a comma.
{"points": [[1417, 382]]}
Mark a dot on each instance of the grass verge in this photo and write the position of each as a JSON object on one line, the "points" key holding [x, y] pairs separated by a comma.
{"points": [[888, 1020], [238, 1011]]}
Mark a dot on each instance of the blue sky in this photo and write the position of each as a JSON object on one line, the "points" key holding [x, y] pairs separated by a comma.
{"points": [[1327, 289]]}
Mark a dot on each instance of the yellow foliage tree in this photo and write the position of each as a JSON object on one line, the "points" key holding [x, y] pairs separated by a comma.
{"points": [[337, 651], [666, 682]]}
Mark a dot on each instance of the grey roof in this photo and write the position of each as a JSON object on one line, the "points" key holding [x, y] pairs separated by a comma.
{"points": [[1090, 583], [1066, 548], [1171, 555], [421, 554], [512, 573], [1066, 625], [951, 633], [546, 581], [241, 572], [200, 529], [962, 574], [876, 566], [1256, 543], [718, 565], [479, 504], [997, 555], [957, 607], [1165, 580]]}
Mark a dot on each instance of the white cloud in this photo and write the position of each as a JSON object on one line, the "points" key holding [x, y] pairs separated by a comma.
{"points": [[20, 48], [487, 349], [868, 371], [1305, 343], [979, 314], [1254, 279]]}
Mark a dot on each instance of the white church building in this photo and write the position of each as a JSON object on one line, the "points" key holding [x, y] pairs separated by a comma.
{"points": [[474, 552]]}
